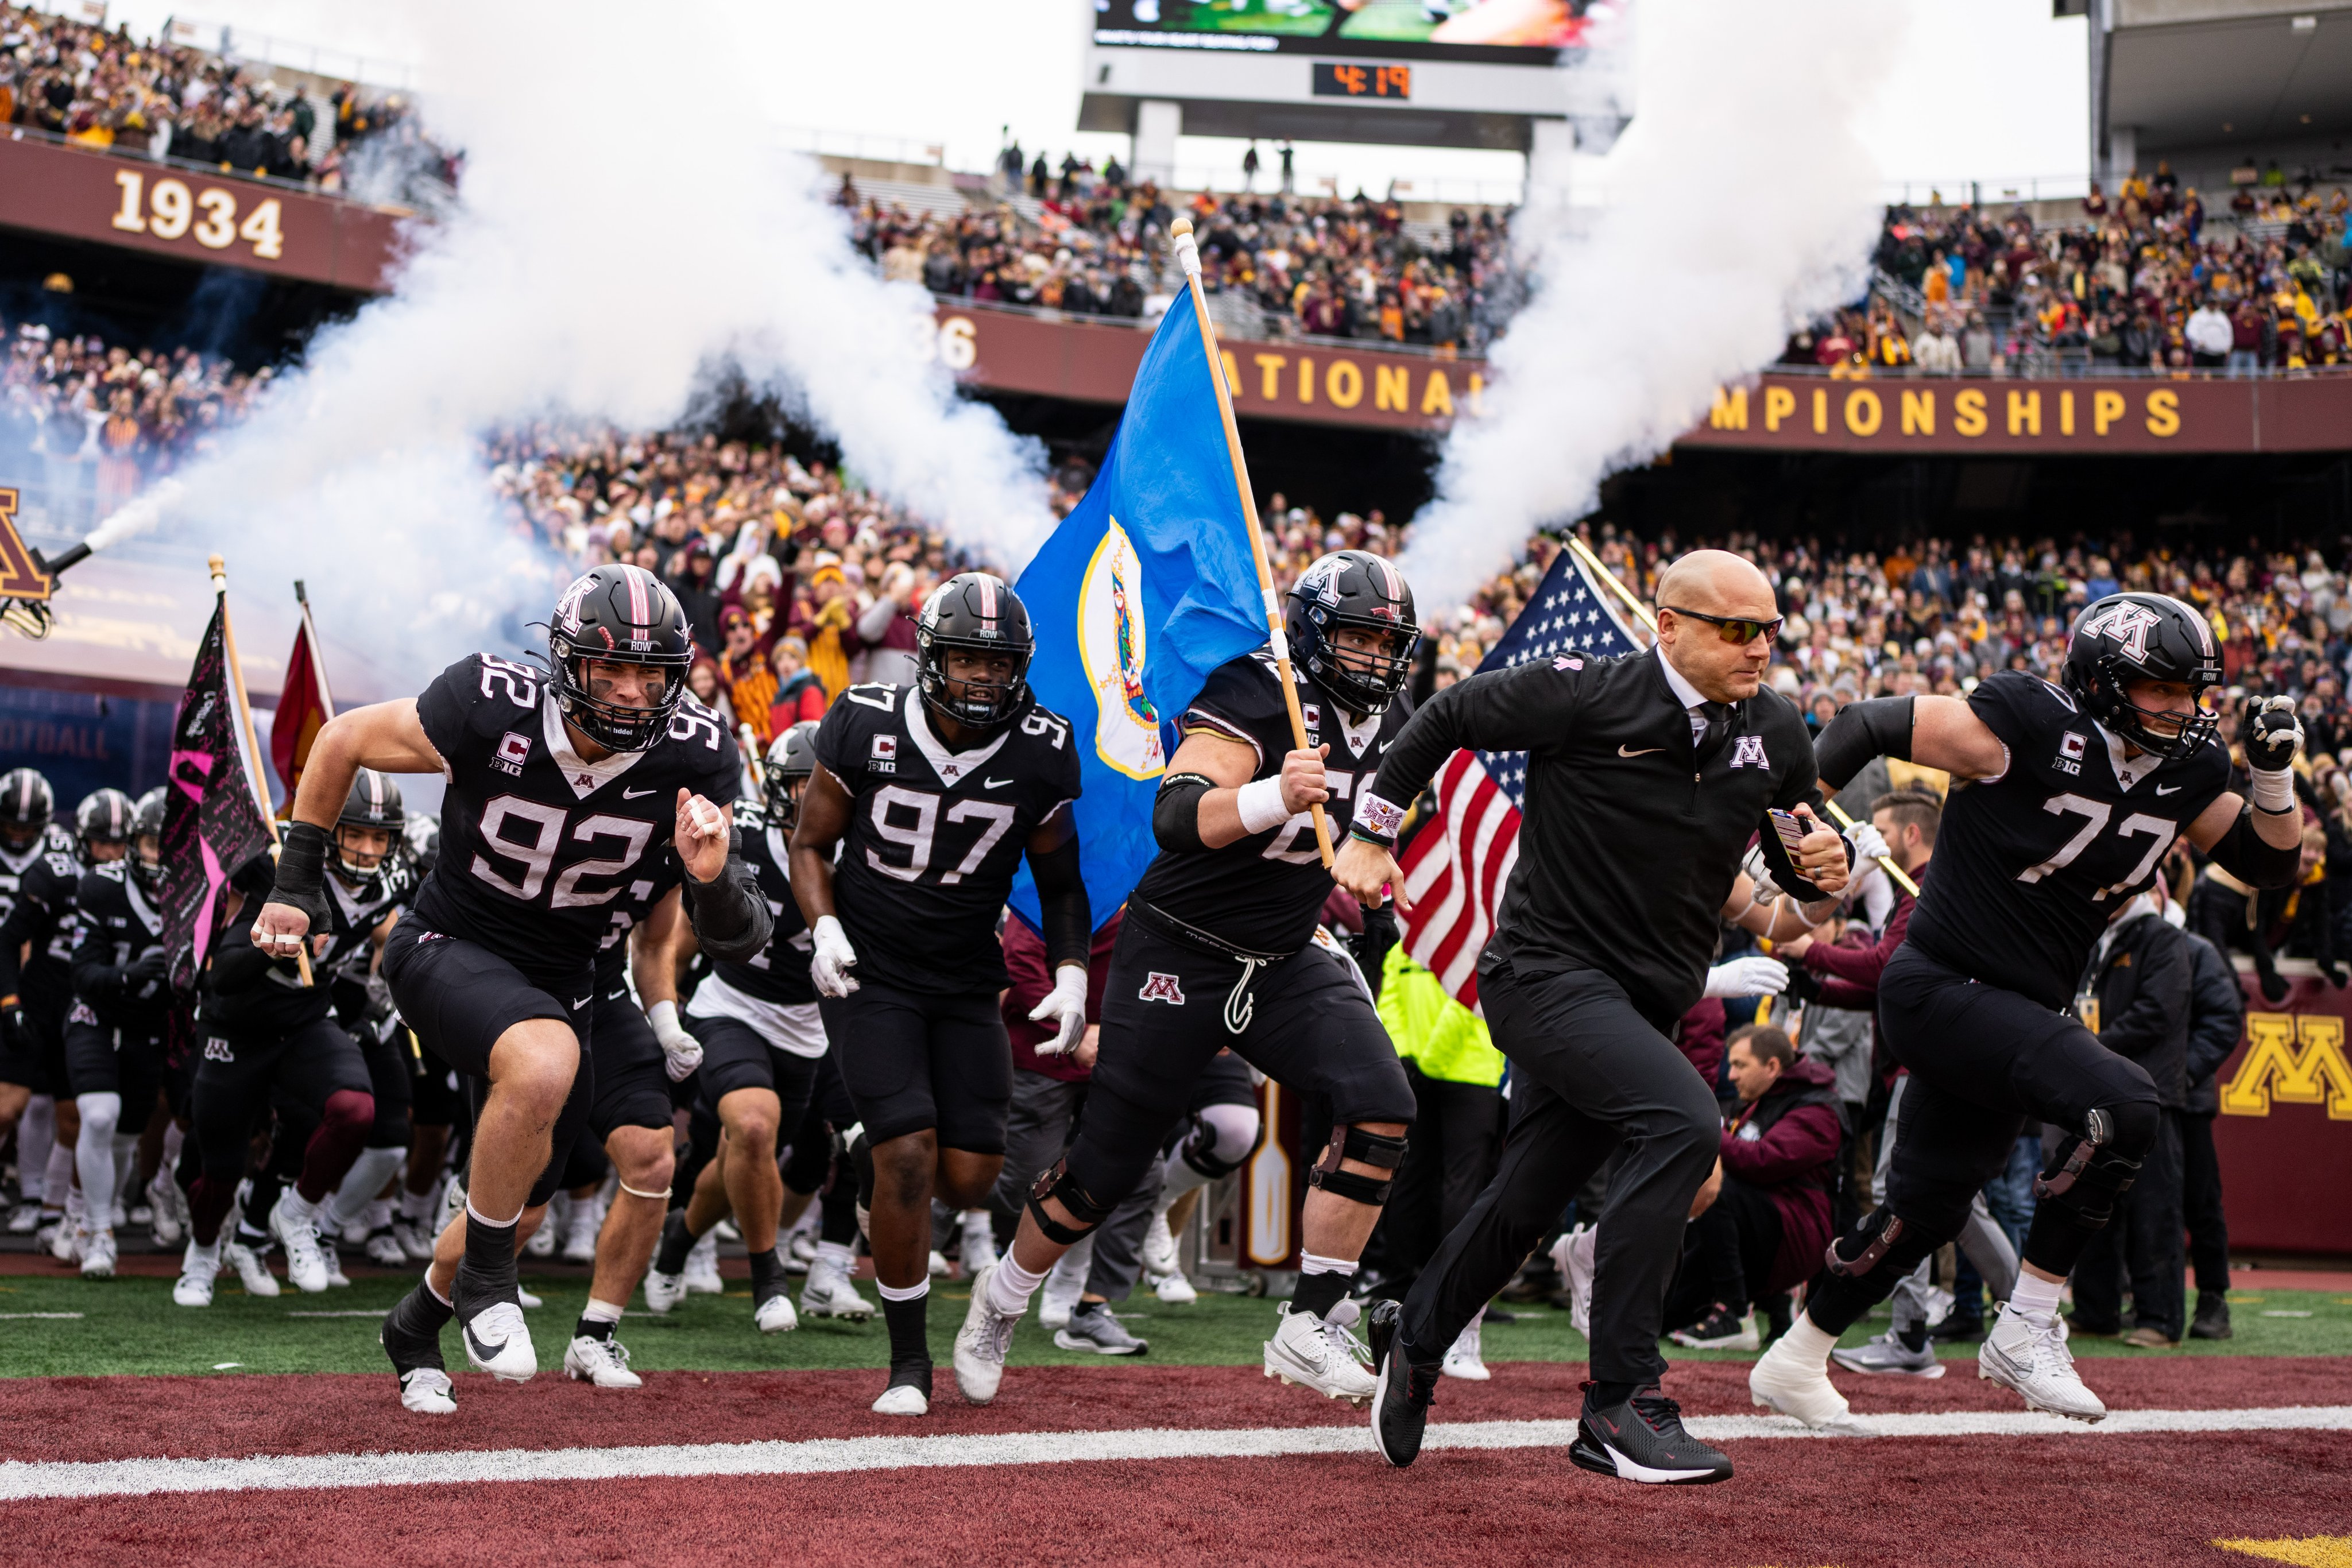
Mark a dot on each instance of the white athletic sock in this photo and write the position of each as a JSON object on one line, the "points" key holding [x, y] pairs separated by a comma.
{"points": [[126, 1168], [298, 1208], [601, 1312], [416, 1208], [1009, 1288], [2035, 1299], [366, 1178], [837, 1256], [912, 1294], [94, 1155], [174, 1140], [1308, 1263], [57, 1194], [1808, 1341], [37, 1134]]}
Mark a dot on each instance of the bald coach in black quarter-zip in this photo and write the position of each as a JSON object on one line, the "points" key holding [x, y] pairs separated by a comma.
{"points": [[1641, 799]]}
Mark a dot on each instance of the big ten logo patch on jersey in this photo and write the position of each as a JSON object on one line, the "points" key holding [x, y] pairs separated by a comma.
{"points": [[514, 748], [217, 1050], [2071, 746], [1160, 988], [885, 758], [1748, 751], [1111, 633], [2296, 1058]]}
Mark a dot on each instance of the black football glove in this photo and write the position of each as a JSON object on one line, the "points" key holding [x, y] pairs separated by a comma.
{"points": [[2275, 986], [142, 978], [2274, 735]]}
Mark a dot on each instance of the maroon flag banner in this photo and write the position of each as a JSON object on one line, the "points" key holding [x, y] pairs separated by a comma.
{"points": [[211, 826]]}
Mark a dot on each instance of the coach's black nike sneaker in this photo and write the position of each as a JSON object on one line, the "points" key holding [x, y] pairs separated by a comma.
{"points": [[1641, 1439], [411, 1335], [1401, 1399]]}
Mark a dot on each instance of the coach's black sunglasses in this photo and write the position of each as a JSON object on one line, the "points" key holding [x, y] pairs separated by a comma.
{"points": [[1734, 629]]}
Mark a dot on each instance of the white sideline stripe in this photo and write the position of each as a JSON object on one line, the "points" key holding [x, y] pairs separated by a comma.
{"points": [[12, 1316], [132, 1478], [361, 1312]]}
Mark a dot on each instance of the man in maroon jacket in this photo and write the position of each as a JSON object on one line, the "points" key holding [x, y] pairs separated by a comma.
{"points": [[1770, 1220]]}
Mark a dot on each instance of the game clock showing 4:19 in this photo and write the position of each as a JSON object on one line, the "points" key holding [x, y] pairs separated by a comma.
{"points": [[1336, 79]]}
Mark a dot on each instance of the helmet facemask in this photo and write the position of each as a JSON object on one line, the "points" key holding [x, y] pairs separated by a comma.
{"points": [[2158, 731], [984, 703], [615, 726]]}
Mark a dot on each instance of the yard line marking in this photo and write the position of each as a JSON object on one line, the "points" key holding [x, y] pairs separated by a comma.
{"points": [[58, 1315], [136, 1478], [361, 1312]]}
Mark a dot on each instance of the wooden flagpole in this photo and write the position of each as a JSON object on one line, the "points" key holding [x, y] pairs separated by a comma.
{"points": [[1584, 553], [252, 740], [1188, 256]]}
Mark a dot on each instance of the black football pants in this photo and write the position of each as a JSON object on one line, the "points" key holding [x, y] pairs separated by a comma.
{"points": [[1593, 1076]]}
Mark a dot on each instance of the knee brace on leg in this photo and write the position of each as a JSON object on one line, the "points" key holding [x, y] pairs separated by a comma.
{"points": [[1353, 1143], [1078, 1203], [2098, 1165]]}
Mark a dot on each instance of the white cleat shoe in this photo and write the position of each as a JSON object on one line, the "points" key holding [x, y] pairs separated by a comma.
{"points": [[427, 1391], [169, 1226], [336, 1278], [1462, 1358], [702, 1267], [98, 1256], [384, 1247], [604, 1363], [1781, 1381], [296, 1226], [1573, 1255], [981, 1343], [979, 1242], [415, 1239], [25, 1220], [66, 1241], [2033, 1361], [199, 1265], [251, 1268], [940, 1269], [775, 1315], [1160, 1247], [580, 1235], [1065, 1283], [663, 1291], [542, 1240], [1174, 1289], [903, 1399], [499, 1341], [829, 1295], [528, 1301], [1320, 1354]]}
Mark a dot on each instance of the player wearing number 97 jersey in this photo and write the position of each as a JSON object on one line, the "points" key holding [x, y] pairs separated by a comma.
{"points": [[2064, 800]]}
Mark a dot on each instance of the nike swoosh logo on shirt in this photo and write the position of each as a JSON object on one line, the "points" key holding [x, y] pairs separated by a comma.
{"points": [[994, 783], [2169, 789], [1645, 751], [628, 794]]}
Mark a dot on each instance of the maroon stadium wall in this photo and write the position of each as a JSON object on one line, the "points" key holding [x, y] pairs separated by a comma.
{"points": [[2284, 1132]]}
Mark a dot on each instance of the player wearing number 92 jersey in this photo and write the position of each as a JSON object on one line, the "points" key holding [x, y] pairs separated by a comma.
{"points": [[2066, 799]]}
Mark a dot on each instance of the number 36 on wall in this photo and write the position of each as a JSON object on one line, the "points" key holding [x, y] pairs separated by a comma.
{"points": [[208, 216]]}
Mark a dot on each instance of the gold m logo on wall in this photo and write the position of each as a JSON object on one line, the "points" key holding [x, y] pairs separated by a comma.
{"points": [[2297, 1060]]}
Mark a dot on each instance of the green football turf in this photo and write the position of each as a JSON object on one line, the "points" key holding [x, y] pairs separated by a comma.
{"points": [[130, 1325]]}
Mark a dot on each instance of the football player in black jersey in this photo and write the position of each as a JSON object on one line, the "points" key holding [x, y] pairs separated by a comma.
{"points": [[2065, 801], [269, 1043], [116, 1028], [763, 1041], [38, 878], [559, 782], [934, 793], [1217, 952]]}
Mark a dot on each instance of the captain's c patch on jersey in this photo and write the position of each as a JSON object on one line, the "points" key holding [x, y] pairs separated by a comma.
{"points": [[514, 748], [885, 756]]}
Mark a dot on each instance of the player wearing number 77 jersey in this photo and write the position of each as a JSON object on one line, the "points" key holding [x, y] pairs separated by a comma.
{"points": [[2065, 799], [934, 792], [563, 784]]}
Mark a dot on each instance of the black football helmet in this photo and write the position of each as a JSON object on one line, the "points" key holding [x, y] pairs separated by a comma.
{"points": [[978, 613], [26, 806], [2129, 637], [147, 825], [619, 615], [1353, 588], [103, 818], [789, 761], [373, 803]]}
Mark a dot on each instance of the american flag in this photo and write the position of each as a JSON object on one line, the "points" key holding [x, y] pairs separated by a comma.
{"points": [[1455, 870]]}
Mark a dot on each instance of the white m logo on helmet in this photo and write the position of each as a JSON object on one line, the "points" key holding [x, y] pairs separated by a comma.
{"points": [[2127, 623]]}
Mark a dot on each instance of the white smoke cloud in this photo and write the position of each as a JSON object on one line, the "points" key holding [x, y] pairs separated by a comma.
{"points": [[627, 221], [1741, 204]]}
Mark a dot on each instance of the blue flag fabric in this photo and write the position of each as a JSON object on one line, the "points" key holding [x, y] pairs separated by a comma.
{"points": [[1146, 587]]}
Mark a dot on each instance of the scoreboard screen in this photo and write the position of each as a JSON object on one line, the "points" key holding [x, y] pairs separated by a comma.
{"points": [[1494, 32]]}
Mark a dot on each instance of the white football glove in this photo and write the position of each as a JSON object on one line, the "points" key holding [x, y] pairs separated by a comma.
{"points": [[831, 959], [1867, 841], [681, 1052], [1759, 871], [1747, 977], [1064, 1008]]}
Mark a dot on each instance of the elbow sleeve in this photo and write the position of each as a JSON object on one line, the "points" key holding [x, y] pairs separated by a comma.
{"points": [[1176, 812], [1880, 727], [2241, 853], [731, 921], [1068, 917]]}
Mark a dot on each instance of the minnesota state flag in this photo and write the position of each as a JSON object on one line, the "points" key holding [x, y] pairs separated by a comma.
{"points": [[1146, 587]]}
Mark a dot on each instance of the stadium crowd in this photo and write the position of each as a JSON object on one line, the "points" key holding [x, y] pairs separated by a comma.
{"points": [[100, 86]]}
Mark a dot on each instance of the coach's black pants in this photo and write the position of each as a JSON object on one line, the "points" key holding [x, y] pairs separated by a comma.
{"points": [[2201, 1204], [1457, 1143], [1594, 1075], [1728, 1254], [2143, 1241], [1983, 1059]]}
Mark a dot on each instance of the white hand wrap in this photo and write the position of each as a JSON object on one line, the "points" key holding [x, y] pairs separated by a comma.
{"points": [[2272, 792], [1260, 805], [681, 1052]]}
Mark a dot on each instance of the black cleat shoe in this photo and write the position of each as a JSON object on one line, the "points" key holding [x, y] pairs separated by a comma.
{"points": [[1643, 1441], [1955, 1327], [2213, 1321], [1401, 1399]]}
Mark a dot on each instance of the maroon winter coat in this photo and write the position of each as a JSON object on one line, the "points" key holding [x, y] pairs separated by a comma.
{"points": [[1849, 975], [1786, 1144], [1700, 1039], [1025, 965]]}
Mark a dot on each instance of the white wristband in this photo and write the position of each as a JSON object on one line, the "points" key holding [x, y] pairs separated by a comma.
{"points": [[2273, 792], [662, 1016], [1260, 805]]}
